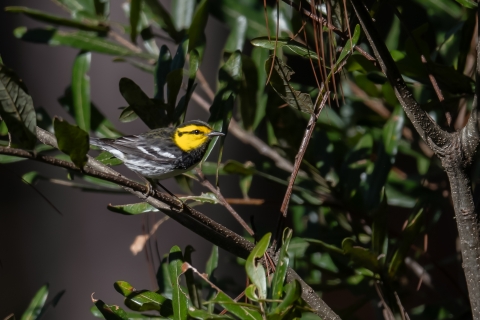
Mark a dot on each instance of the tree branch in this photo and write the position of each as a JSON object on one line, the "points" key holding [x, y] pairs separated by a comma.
{"points": [[186, 216], [425, 126]]}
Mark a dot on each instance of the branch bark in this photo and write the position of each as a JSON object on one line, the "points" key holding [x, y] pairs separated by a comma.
{"points": [[186, 216], [455, 150]]}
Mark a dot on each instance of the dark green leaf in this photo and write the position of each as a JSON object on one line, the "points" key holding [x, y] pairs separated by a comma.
{"points": [[236, 38], [72, 140], [108, 159], [179, 300], [233, 166], [36, 305], [293, 291], [325, 246], [392, 132], [174, 83], [193, 293], [182, 13], [31, 177], [348, 48], [468, 3], [152, 113], [79, 39], [286, 43], [16, 108], [163, 277], [238, 309], [466, 38], [181, 110], [132, 209], [162, 69], [248, 86], [255, 271], [280, 82], [46, 17], [196, 33], [229, 76], [135, 7], [361, 256], [4, 159], [281, 269], [81, 90], [379, 226], [161, 16], [111, 312], [408, 237], [128, 115], [212, 262]]}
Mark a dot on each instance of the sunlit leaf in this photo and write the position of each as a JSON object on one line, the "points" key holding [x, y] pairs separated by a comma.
{"points": [[135, 7], [196, 32], [179, 300], [182, 13], [132, 209], [111, 312], [286, 43], [81, 90], [240, 310], [255, 270], [281, 269], [35, 307]]}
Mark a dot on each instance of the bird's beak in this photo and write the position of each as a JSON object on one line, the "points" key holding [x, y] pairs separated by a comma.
{"points": [[215, 134]]}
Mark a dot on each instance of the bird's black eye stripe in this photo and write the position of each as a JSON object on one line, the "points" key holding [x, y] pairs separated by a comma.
{"points": [[195, 132]]}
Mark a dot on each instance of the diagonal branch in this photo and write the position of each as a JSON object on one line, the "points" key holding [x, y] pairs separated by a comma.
{"points": [[425, 126], [186, 216]]}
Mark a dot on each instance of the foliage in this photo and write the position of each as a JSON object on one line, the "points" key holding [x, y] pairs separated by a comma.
{"points": [[366, 171]]}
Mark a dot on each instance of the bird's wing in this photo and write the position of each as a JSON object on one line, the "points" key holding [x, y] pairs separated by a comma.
{"points": [[161, 153]]}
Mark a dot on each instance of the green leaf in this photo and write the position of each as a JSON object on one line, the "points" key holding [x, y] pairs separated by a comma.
{"points": [[211, 266], [229, 76], [281, 268], [161, 71], [280, 82], [379, 226], [161, 16], [468, 3], [196, 33], [255, 271], [174, 83], [128, 115], [111, 312], [204, 315], [193, 292], [46, 17], [194, 63], [408, 237], [81, 90], [108, 159], [179, 300], [72, 141], [132, 209], [152, 113], [238, 309], [293, 291], [31, 177], [361, 256], [82, 40], [182, 13], [286, 43], [16, 108], [145, 300], [4, 159], [392, 132], [236, 38], [325, 246], [135, 8], [259, 57], [205, 197], [250, 293], [163, 277], [123, 287], [348, 48], [35, 307], [249, 85]]}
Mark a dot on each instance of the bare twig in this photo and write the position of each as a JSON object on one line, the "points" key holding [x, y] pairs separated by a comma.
{"points": [[403, 313], [124, 42], [298, 160], [203, 180], [387, 312]]}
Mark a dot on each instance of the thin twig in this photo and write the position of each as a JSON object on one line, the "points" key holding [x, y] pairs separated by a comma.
{"points": [[330, 26], [298, 160], [403, 313], [203, 180], [124, 42], [387, 311], [205, 86]]}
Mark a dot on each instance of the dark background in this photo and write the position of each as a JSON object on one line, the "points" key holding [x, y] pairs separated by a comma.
{"points": [[86, 249]]}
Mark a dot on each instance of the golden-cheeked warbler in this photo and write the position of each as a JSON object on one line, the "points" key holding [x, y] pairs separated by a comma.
{"points": [[161, 153]]}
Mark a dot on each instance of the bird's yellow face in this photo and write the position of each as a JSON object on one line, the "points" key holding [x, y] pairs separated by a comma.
{"points": [[191, 136]]}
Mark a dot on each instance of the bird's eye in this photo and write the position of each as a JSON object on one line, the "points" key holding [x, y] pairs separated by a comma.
{"points": [[196, 132]]}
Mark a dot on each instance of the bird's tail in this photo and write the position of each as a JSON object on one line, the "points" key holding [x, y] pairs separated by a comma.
{"points": [[96, 142]]}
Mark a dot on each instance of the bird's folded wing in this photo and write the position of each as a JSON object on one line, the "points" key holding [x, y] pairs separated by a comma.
{"points": [[136, 146]]}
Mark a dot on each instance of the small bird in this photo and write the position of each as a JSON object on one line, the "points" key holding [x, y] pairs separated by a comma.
{"points": [[161, 153]]}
